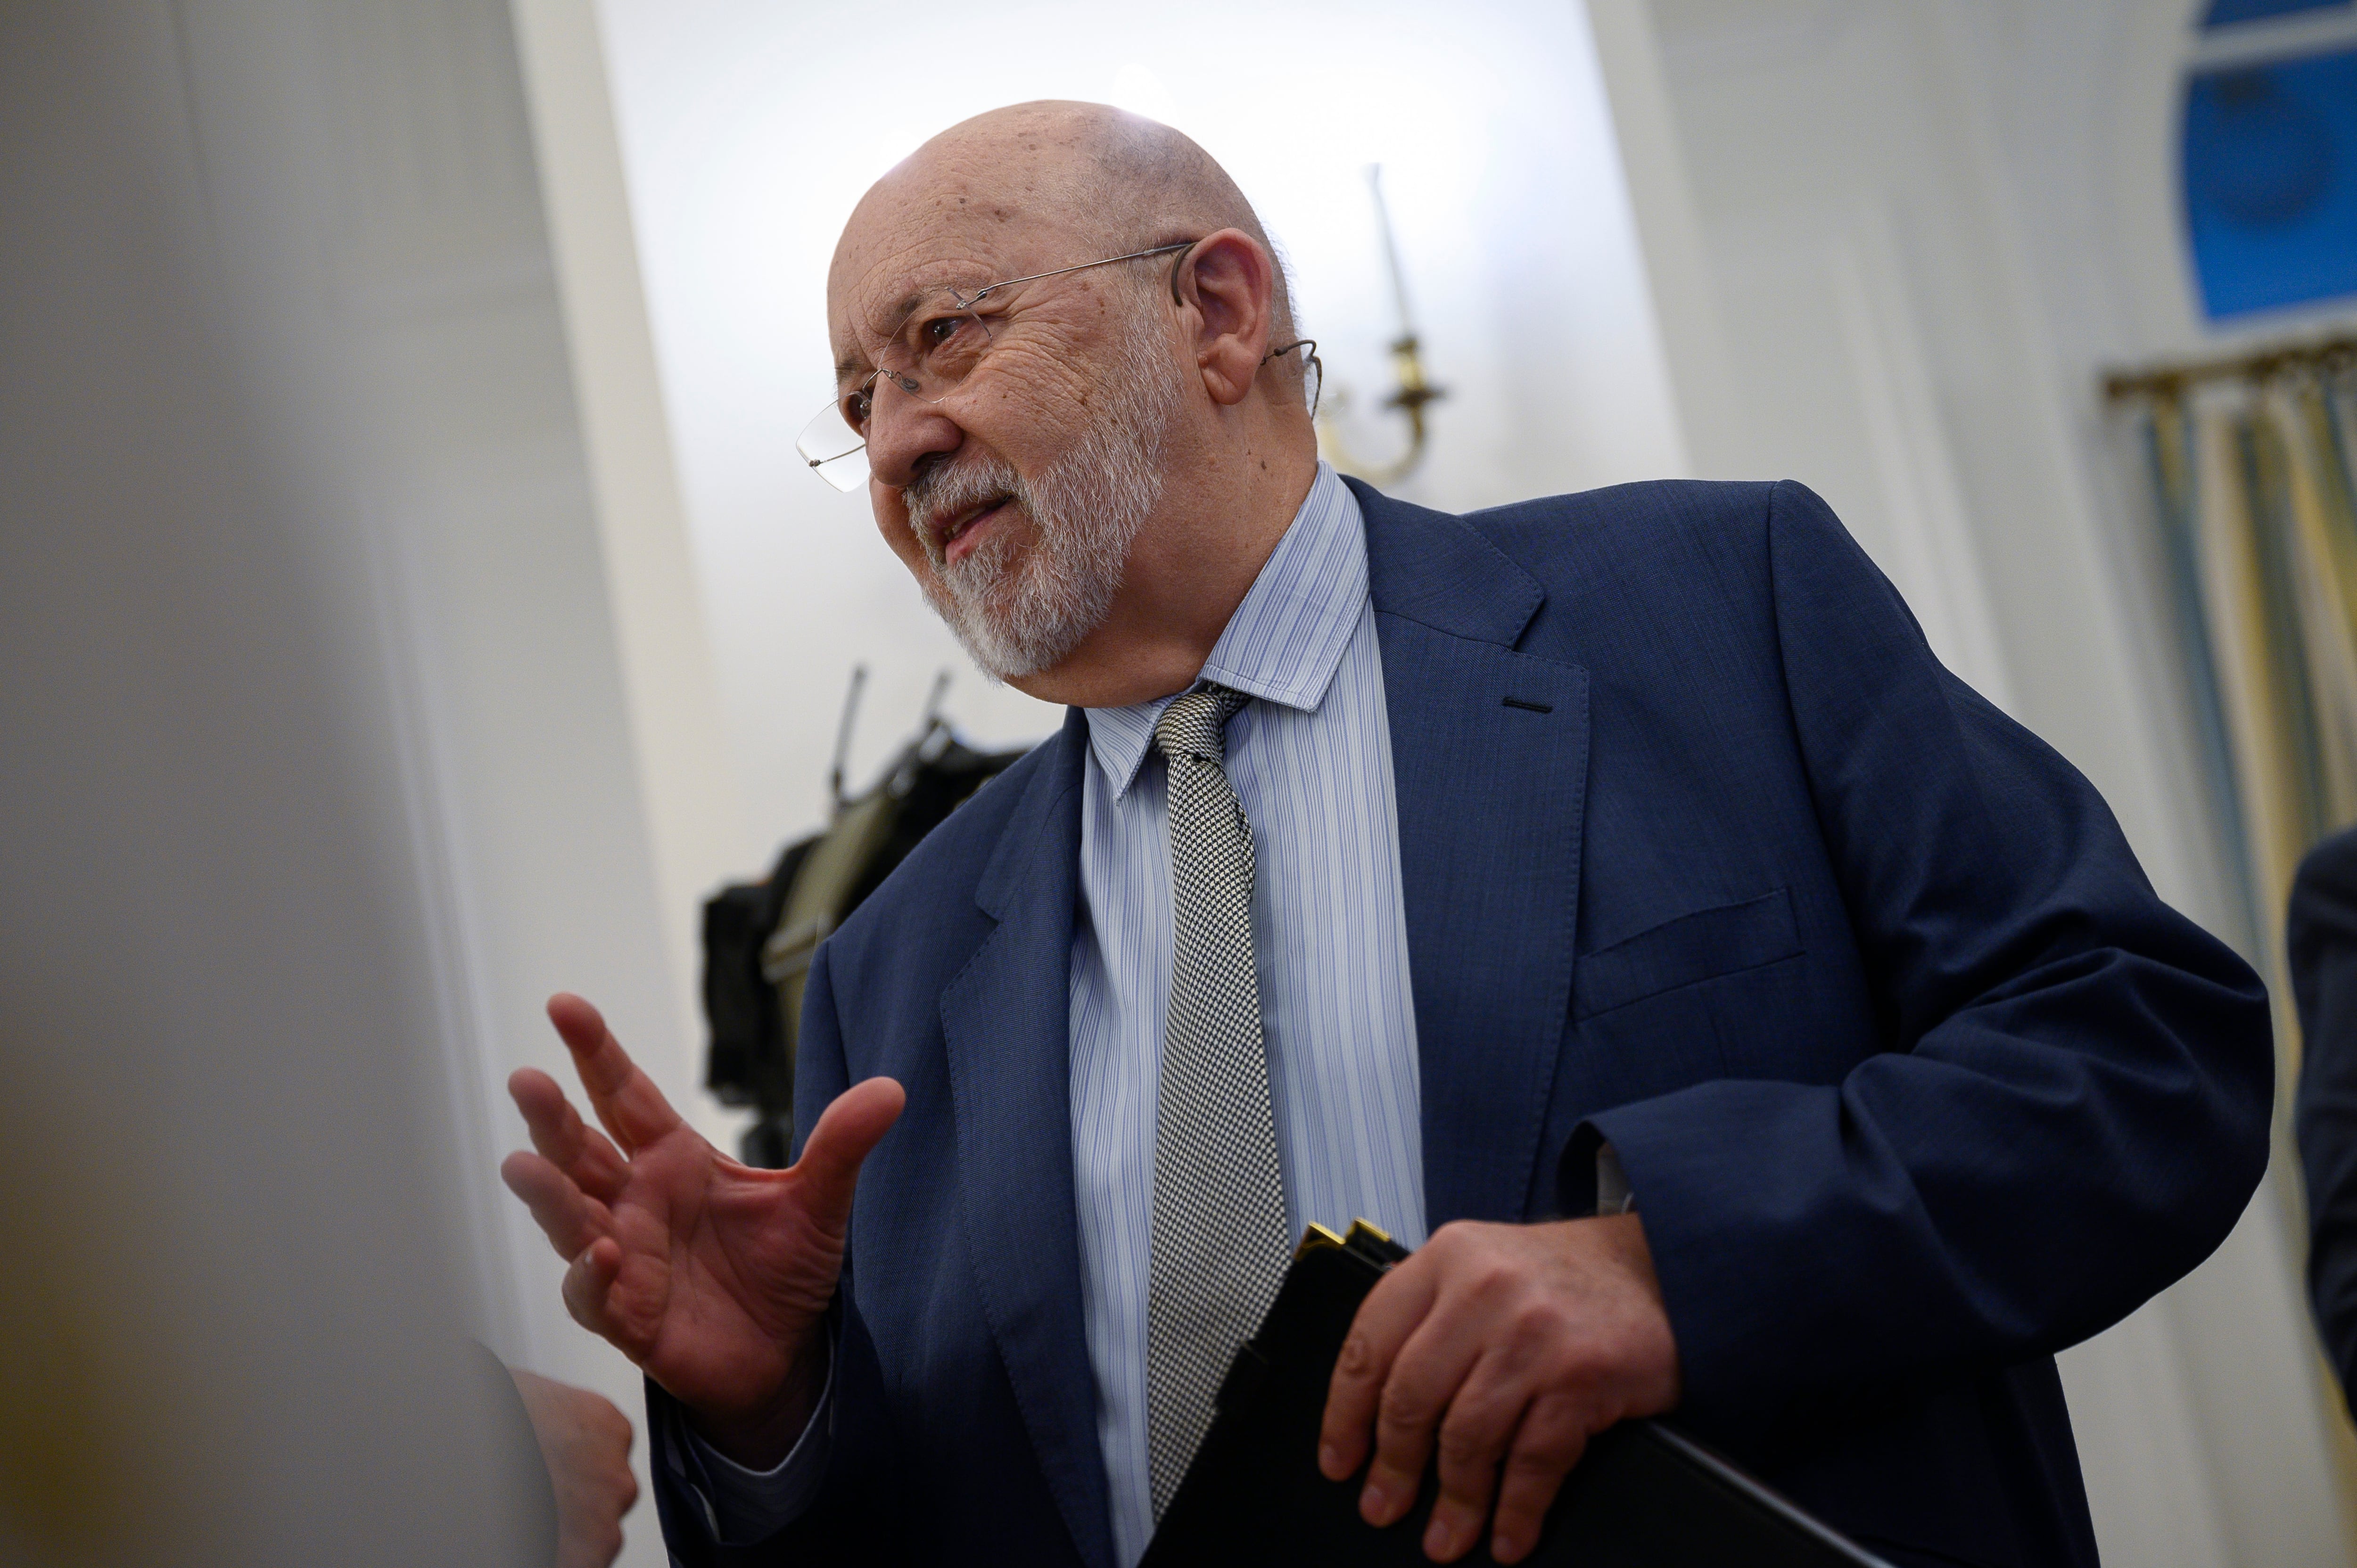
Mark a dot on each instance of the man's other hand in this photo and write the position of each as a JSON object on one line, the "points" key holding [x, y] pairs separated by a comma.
{"points": [[1511, 1345], [587, 1444], [711, 1277]]}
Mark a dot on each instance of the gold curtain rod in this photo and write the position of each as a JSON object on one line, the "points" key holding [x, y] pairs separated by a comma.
{"points": [[2169, 381]]}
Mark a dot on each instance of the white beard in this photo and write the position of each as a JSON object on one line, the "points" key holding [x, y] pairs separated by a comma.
{"points": [[1022, 607]]}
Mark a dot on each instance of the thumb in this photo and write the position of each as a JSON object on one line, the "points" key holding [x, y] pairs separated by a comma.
{"points": [[846, 1132]]}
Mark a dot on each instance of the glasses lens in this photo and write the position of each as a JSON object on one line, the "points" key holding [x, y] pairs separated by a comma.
{"points": [[940, 342], [832, 449]]}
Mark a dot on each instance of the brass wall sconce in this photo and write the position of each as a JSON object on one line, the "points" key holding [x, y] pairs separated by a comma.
{"points": [[1413, 394]]}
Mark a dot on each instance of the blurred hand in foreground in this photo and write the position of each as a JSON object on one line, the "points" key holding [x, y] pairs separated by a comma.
{"points": [[586, 1442], [712, 1276]]}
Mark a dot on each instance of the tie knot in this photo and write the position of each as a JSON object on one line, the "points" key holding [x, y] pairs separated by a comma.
{"points": [[1196, 724]]}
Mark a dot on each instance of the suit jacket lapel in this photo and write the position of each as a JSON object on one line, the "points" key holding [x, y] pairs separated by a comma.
{"points": [[1490, 764], [1003, 1020]]}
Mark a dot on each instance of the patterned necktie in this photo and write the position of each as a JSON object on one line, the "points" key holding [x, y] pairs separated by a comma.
{"points": [[1220, 1237]]}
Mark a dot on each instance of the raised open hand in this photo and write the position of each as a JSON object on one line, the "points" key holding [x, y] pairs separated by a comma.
{"points": [[710, 1275]]}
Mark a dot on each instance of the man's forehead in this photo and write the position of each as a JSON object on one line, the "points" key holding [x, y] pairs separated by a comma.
{"points": [[884, 278], [894, 253]]}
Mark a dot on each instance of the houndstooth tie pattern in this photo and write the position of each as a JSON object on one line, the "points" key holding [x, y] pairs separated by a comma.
{"points": [[1220, 1237]]}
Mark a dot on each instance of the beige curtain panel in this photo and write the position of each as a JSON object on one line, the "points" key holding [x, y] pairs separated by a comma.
{"points": [[2255, 502]]}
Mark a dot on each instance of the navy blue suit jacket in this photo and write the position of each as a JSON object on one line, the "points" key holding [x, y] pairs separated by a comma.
{"points": [[1915, 1080]]}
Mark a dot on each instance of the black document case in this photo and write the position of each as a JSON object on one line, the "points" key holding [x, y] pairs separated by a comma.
{"points": [[1643, 1496]]}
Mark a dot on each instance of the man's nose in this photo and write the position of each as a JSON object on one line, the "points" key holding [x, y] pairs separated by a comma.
{"points": [[903, 431]]}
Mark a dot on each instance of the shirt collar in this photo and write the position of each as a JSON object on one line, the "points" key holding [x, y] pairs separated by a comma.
{"points": [[1284, 641]]}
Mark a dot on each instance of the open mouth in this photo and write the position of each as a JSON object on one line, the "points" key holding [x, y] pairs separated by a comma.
{"points": [[961, 532]]}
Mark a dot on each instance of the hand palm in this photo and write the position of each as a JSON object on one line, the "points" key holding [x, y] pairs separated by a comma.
{"points": [[710, 1275], [724, 1267]]}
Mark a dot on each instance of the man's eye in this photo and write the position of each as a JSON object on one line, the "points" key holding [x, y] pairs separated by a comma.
{"points": [[856, 407], [942, 330]]}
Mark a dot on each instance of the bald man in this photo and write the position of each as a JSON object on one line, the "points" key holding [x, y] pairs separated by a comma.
{"points": [[1609, 895]]}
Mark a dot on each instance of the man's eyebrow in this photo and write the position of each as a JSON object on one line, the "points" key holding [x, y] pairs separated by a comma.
{"points": [[851, 362]]}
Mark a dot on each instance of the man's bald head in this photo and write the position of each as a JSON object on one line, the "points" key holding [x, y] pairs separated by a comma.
{"points": [[1106, 180]]}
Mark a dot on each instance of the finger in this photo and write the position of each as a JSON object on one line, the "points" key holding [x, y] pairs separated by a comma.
{"points": [[567, 1217], [589, 1282], [1473, 1437], [574, 1146], [1553, 1435], [1425, 1377], [625, 1098], [1385, 1320], [846, 1133]]}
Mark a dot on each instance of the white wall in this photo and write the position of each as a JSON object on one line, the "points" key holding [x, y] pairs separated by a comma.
{"points": [[749, 130], [1907, 237]]}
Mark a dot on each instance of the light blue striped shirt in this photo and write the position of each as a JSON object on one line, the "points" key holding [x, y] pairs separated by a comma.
{"points": [[1311, 763]]}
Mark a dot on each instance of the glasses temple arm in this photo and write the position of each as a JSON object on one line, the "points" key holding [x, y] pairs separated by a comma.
{"points": [[967, 302]]}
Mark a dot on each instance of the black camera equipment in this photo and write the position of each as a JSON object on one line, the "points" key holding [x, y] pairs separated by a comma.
{"points": [[759, 936]]}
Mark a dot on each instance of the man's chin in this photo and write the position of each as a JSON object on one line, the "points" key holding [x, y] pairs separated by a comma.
{"points": [[1003, 656], [984, 631], [1005, 651]]}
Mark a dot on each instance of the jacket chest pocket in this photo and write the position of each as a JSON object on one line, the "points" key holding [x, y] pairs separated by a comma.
{"points": [[1694, 999], [1685, 951]]}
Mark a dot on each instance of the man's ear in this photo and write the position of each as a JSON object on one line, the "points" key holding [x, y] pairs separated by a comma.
{"points": [[1230, 281]]}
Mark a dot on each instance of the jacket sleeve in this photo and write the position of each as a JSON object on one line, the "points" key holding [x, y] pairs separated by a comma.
{"points": [[2071, 1107], [851, 1518], [2322, 947]]}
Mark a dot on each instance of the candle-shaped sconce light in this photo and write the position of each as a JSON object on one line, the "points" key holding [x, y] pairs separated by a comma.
{"points": [[1413, 394]]}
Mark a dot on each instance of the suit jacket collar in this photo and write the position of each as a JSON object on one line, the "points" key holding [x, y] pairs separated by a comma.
{"points": [[1489, 768], [1433, 568]]}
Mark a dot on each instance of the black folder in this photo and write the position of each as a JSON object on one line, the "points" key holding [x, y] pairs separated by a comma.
{"points": [[1643, 1496]]}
